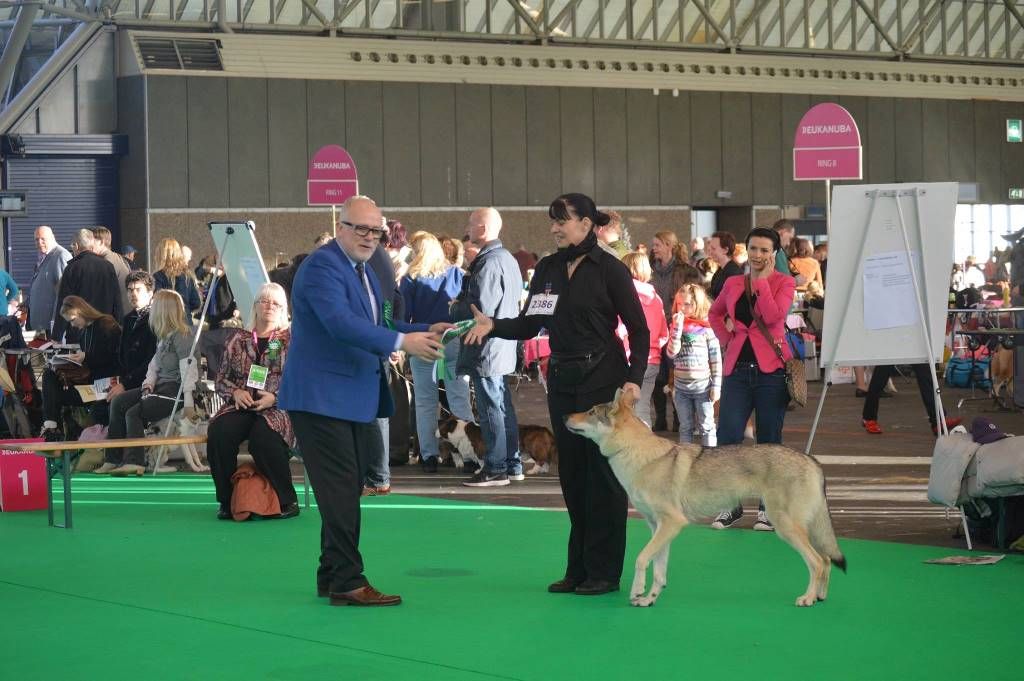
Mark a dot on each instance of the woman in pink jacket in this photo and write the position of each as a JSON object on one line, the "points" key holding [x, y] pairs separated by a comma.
{"points": [[755, 379], [654, 310]]}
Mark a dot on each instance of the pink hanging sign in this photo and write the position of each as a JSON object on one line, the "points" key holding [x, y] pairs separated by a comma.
{"points": [[827, 145], [332, 177]]}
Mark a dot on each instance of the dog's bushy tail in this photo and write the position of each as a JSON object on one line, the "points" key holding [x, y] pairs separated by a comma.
{"points": [[823, 537]]}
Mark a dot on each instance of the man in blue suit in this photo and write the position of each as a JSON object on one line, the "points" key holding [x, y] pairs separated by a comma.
{"points": [[334, 387]]}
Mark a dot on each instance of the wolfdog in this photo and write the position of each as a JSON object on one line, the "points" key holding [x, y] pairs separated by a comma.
{"points": [[671, 484]]}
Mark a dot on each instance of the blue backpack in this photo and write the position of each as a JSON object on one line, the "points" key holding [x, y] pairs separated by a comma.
{"points": [[963, 372]]}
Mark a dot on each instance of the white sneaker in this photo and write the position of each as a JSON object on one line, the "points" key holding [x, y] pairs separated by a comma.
{"points": [[762, 524]]}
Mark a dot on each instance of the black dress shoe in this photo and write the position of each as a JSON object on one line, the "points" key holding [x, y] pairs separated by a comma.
{"points": [[566, 585], [290, 511], [860, 393], [596, 587], [429, 464], [323, 591], [224, 513]]}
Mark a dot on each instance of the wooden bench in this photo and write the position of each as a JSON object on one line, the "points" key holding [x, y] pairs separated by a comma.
{"points": [[63, 450]]}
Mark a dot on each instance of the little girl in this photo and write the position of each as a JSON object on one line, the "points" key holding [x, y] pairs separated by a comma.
{"points": [[697, 362]]}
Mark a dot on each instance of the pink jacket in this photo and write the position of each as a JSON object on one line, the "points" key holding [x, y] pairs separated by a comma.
{"points": [[774, 298], [654, 311]]}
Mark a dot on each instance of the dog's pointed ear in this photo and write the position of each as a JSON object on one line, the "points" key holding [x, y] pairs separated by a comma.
{"points": [[623, 399]]}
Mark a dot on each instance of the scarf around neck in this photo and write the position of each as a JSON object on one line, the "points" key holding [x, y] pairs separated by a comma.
{"points": [[574, 251]]}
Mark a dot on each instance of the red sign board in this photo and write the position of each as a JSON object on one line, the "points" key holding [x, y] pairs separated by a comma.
{"points": [[23, 479], [332, 177], [827, 145]]}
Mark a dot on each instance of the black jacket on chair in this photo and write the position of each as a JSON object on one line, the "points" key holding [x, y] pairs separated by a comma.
{"points": [[138, 345]]}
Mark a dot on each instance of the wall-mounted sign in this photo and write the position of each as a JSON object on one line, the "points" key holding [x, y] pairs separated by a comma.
{"points": [[1017, 193]]}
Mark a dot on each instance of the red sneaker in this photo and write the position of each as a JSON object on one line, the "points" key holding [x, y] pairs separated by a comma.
{"points": [[950, 425], [872, 426]]}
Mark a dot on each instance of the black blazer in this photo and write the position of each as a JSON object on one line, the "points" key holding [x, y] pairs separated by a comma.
{"points": [[138, 345]]}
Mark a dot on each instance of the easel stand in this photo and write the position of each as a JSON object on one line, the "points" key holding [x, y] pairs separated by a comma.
{"points": [[829, 361]]}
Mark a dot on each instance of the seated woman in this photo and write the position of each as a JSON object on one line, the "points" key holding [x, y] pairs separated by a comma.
{"points": [[248, 382], [97, 359], [133, 410]]}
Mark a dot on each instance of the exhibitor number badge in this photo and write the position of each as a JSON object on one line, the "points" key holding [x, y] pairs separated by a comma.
{"points": [[542, 303], [257, 377]]}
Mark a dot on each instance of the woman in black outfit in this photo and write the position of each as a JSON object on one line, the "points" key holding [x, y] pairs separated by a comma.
{"points": [[578, 294], [100, 338]]}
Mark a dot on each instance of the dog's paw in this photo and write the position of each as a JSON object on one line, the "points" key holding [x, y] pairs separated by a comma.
{"points": [[643, 601], [806, 600]]}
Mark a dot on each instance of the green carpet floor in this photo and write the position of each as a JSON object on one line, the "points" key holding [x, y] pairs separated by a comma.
{"points": [[149, 585]]}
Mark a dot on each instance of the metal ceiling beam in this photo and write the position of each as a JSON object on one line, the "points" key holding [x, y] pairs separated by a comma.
{"points": [[16, 43], [749, 20], [527, 19], [878, 25], [703, 9]]}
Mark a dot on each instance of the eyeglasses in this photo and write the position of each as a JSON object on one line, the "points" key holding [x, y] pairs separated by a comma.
{"points": [[268, 301], [366, 230]]}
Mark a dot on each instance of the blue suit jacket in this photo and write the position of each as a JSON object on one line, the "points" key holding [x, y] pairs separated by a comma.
{"points": [[335, 365]]}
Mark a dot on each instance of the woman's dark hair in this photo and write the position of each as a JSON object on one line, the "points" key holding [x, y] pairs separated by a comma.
{"points": [[579, 204], [397, 237], [764, 233], [727, 241]]}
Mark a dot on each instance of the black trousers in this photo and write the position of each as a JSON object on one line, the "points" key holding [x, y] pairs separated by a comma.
{"points": [[336, 453], [269, 452], [659, 397], [596, 502], [880, 376], [55, 396]]}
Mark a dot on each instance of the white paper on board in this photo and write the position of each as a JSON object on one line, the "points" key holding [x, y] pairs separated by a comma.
{"points": [[889, 297], [252, 268]]}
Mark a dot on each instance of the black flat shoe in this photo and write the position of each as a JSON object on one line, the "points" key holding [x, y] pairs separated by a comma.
{"points": [[290, 511], [224, 513], [596, 587], [566, 585], [861, 393]]}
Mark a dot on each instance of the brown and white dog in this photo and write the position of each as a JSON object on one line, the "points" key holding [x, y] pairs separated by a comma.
{"points": [[1001, 369], [536, 445]]}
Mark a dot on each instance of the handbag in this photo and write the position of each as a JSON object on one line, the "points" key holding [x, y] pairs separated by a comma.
{"points": [[73, 374], [796, 378]]}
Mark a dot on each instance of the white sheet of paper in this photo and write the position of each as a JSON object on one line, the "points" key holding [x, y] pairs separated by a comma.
{"points": [[252, 268], [889, 298]]}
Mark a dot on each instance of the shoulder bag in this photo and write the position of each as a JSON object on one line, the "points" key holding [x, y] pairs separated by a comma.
{"points": [[796, 379]]}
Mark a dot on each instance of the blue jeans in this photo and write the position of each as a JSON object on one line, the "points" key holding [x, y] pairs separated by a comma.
{"points": [[378, 467], [425, 393], [498, 425], [643, 405], [696, 414], [747, 389]]}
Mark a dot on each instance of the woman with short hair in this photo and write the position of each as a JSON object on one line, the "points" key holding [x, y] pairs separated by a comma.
{"points": [[248, 382], [172, 365]]}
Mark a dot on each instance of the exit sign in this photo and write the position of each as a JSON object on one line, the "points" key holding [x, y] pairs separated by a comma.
{"points": [[1017, 193], [1013, 130]]}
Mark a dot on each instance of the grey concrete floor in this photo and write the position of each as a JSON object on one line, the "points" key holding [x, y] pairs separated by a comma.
{"points": [[877, 484]]}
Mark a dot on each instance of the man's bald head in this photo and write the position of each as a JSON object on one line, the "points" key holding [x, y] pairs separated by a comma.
{"points": [[484, 226], [45, 241]]}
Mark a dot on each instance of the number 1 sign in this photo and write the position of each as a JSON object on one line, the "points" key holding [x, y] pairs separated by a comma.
{"points": [[23, 479]]}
